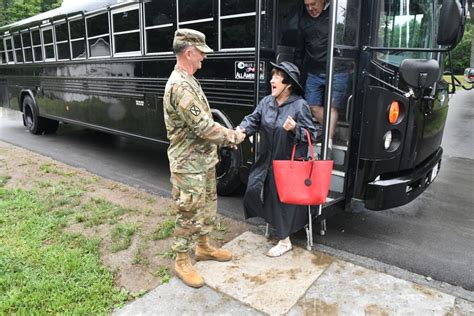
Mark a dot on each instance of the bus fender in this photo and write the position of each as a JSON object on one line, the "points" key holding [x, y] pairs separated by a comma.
{"points": [[230, 160], [23, 94]]}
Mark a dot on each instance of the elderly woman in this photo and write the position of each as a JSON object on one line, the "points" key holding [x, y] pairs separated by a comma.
{"points": [[280, 119]]}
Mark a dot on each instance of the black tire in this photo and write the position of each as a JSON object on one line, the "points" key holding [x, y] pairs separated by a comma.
{"points": [[228, 168], [35, 124]]}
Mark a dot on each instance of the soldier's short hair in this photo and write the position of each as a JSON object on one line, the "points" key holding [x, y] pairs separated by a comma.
{"points": [[178, 48]]}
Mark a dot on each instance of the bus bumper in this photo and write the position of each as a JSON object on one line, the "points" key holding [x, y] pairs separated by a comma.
{"points": [[389, 193]]}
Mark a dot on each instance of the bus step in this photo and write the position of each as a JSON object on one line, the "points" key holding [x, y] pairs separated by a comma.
{"points": [[338, 153], [337, 181]]}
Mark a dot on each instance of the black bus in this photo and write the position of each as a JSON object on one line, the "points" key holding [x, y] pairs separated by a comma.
{"points": [[104, 66]]}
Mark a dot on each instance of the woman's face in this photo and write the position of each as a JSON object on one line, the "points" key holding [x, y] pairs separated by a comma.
{"points": [[277, 85]]}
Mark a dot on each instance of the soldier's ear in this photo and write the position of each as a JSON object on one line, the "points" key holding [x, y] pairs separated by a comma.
{"points": [[187, 51]]}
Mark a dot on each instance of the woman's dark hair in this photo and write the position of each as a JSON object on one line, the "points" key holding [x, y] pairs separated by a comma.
{"points": [[281, 73]]}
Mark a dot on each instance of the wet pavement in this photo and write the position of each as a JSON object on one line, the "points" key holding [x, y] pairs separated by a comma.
{"points": [[298, 283]]}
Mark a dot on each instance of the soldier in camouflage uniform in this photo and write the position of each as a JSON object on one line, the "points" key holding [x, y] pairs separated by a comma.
{"points": [[192, 153]]}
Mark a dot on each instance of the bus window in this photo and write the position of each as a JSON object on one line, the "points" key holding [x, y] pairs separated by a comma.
{"points": [[48, 44], [347, 22], [78, 44], [160, 25], [3, 57], [198, 15], [98, 37], [37, 50], [404, 24], [126, 31], [195, 10], [62, 43], [237, 24], [18, 49], [9, 50], [26, 38]]}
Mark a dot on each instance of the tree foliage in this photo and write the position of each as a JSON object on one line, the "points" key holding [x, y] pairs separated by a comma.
{"points": [[461, 55], [15, 10]]}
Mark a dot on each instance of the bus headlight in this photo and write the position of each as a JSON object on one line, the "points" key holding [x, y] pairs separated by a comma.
{"points": [[392, 140], [387, 140]]}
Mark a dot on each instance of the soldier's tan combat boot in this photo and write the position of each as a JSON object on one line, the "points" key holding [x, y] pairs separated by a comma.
{"points": [[186, 271], [204, 251]]}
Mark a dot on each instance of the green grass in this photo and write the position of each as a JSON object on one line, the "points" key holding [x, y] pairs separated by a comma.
{"points": [[165, 229], [122, 236], [163, 273], [139, 257], [4, 180], [53, 169], [100, 211], [44, 270], [168, 254], [220, 226], [460, 78]]}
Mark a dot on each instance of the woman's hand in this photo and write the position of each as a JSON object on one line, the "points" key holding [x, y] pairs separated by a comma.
{"points": [[289, 124]]}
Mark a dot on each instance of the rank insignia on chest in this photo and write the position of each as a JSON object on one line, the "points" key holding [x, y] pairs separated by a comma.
{"points": [[195, 110]]}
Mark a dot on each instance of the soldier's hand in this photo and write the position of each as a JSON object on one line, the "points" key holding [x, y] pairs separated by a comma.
{"points": [[289, 124], [239, 136]]}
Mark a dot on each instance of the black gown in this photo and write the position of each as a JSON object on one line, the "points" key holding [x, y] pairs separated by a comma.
{"points": [[261, 197]]}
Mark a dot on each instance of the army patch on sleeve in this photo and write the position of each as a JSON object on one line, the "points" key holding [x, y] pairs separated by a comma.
{"points": [[195, 110], [185, 101]]}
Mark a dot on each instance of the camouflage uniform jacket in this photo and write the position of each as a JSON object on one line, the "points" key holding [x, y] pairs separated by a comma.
{"points": [[191, 130]]}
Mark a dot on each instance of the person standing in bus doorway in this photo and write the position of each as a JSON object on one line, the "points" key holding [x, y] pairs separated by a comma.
{"points": [[311, 55], [192, 153], [280, 119]]}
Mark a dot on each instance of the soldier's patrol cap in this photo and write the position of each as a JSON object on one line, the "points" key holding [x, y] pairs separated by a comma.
{"points": [[192, 38]]}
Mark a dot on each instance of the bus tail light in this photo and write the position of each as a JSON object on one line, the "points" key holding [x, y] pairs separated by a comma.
{"points": [[394, 112]]}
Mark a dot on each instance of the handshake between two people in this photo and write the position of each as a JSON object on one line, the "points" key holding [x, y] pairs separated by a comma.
{"points": [[239, 137], [289, 125]]}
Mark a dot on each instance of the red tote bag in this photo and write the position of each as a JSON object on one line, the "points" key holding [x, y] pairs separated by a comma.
{"points": [[303, 182]]}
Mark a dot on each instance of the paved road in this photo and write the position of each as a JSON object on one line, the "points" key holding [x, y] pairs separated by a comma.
{"points": [[432, 236]]}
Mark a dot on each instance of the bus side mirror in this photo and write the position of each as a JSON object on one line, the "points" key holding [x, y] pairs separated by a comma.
{"points": [[451, 23], [419, 73]]}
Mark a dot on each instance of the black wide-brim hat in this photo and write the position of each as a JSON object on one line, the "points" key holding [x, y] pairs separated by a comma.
{"points": [[293, 74]]}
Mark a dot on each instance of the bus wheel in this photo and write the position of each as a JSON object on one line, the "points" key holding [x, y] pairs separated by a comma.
{"points": [[34, 123], [227, 170]]}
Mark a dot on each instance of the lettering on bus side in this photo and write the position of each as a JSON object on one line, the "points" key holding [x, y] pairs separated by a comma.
{"points": [[245, 70]]}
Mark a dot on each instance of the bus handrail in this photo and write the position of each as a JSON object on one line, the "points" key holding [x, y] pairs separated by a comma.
{"points": [[404, 93]]}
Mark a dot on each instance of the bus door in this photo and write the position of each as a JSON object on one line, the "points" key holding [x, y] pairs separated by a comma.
{"points": [[287, 16]]}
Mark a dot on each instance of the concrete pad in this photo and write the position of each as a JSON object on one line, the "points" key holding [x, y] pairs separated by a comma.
{"points": [[175, 298], [270, 285], [463, 308], [347, 289]]}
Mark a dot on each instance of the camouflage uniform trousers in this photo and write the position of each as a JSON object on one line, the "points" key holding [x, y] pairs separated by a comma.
{"points": [[195, 197]]}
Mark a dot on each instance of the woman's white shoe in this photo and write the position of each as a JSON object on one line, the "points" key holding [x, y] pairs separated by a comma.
{"points": [[280, 249]]}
